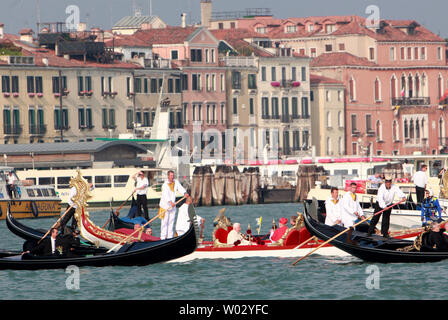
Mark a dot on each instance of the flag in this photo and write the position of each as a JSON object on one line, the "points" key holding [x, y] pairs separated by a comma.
{"points": [[445, 95], [402, 92]]}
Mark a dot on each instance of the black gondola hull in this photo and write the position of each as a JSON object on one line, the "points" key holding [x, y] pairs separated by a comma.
{"points": [[371, 249]]}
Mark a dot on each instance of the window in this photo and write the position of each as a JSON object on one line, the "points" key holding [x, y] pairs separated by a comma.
{"points": [[212, 55], [251, 106], [416, 51], [305, 108], [313, 52], [328, 48], [342, 47], [290, 29], [129, 119], [207, 57], [377, 90], [327, 95], [81, 118], [222, 82], [121, 181], [439, 53], [15, 84], [252, 81], [329, 119], [392, 54], [184, 80], [409, 53], [154, 85], [39, 85], [236, 80], [174, 55], [293, 73], [372, 53], [261, 29], [220, 25], [368, 123], [103, 181], [63, 182], [196, 82], [170, 85], [340, 119], [196, 55], [137, 85], [402, 52], [235, 105], [423, 53], [264, 108], [275, 112], [46, 181], [351, 88], [295, 107], [354, 124], [88, 83], [30, 84], [263, 73], [55, 81], [303, 73], [273, 74]]}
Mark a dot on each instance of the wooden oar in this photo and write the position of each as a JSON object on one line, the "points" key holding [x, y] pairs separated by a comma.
{"points": [[161, 211], [117, 212], [305, 242], [331, 239], [54, 225]]}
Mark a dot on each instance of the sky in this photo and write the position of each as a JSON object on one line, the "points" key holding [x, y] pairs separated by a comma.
{"points": [[18, 14]]}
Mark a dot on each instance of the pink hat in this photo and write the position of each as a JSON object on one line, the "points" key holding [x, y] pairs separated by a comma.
{"points": [[283, 220]]}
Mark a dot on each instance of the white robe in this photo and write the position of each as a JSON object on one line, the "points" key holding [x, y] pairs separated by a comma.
{"points": [[166, 229], [235, 236], [349, 207], [334, 212], [183, 220]]}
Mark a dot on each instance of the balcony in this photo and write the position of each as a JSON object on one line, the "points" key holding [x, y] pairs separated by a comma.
{"points": [[404, 101], [157, 63], [235, 61], [13, 130], [38, 130]]}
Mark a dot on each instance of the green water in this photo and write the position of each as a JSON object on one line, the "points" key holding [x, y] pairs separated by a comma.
{"points": [[317, 277]]}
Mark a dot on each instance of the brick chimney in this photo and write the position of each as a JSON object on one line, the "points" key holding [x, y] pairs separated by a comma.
{"points": [[206, 12]]}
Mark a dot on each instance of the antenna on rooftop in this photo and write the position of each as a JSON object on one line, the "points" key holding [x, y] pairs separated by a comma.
{"points": [[38, 11], [150, 7]]}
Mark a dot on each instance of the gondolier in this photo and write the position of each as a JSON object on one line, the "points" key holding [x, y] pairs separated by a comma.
{"points": [[167, 202], [386, 195], [141, 189], [351, 209], [333, 209], [421, 180]]}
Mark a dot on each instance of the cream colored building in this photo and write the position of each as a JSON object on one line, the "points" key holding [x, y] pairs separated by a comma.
{"points": [[284, 114], [328, 128]]}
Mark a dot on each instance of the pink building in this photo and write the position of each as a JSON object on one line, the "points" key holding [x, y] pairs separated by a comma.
{"points": [[195, 52]]}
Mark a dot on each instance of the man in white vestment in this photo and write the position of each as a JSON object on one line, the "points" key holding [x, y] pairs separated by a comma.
{"points": [[333, 208], [168, 202]]}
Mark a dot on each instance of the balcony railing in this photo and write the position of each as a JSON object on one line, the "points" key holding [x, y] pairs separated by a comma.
{"points": [[12, 129], [235, 61], [404, 101], [39, 129]]}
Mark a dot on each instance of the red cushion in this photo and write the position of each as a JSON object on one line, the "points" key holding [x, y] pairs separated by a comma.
{"points": [[221, 235], [292, 238], [229, 228], [304, 235]]}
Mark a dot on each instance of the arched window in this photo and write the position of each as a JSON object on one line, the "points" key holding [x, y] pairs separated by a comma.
{"points": [[422, 129], [411, 129], [406, 129], [329, 153], [328, 119], [377, 89], [441, 128], [341, 146], [341, 119], [393, 87], [395, 136], [379, 130], [417, 86], [440, 86], [403, 86], [410, 86], [352, 88], [417, 129]]}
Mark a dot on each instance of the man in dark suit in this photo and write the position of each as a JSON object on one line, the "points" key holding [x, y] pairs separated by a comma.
{"points": [[49, 246], [68, 242]]}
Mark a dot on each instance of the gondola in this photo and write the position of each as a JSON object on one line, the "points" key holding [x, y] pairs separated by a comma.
{"points": [[32, 236], [133, 254], [370, 248]]}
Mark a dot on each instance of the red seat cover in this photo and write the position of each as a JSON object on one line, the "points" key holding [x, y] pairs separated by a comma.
{"points": [[292, 238], [304, 235], [221, 235]]}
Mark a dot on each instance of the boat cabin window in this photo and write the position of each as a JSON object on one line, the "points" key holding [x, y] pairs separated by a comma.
{"points": [[38, 192], [103, 182], [434, 167], [32, 179], [52, 192], [63, 182], [46, 181], [30, 192], [340, 172], [45, 192], [121, 181]]}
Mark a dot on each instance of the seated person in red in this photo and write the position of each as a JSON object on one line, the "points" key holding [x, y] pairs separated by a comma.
{"points": [[143, 236], [280, 231]]}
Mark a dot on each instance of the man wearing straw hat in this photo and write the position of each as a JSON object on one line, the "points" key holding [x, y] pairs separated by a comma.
{"points": [[385, 197], [167, 202]]}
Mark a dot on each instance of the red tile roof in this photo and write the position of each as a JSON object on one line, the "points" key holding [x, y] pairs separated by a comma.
{"points": [[316, 79], [126, 41], [340, 59], [235, 38], [169, 35]]}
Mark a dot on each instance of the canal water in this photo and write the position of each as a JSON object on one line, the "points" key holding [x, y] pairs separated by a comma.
{"points": [[317, 277]]}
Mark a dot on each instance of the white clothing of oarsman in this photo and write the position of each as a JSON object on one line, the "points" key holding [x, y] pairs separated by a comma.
{"points": [[166, 201], [183, 220], [420, 179], [385, 196], [334, 211], [142, 183], [350, 206], [71, 196]]}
